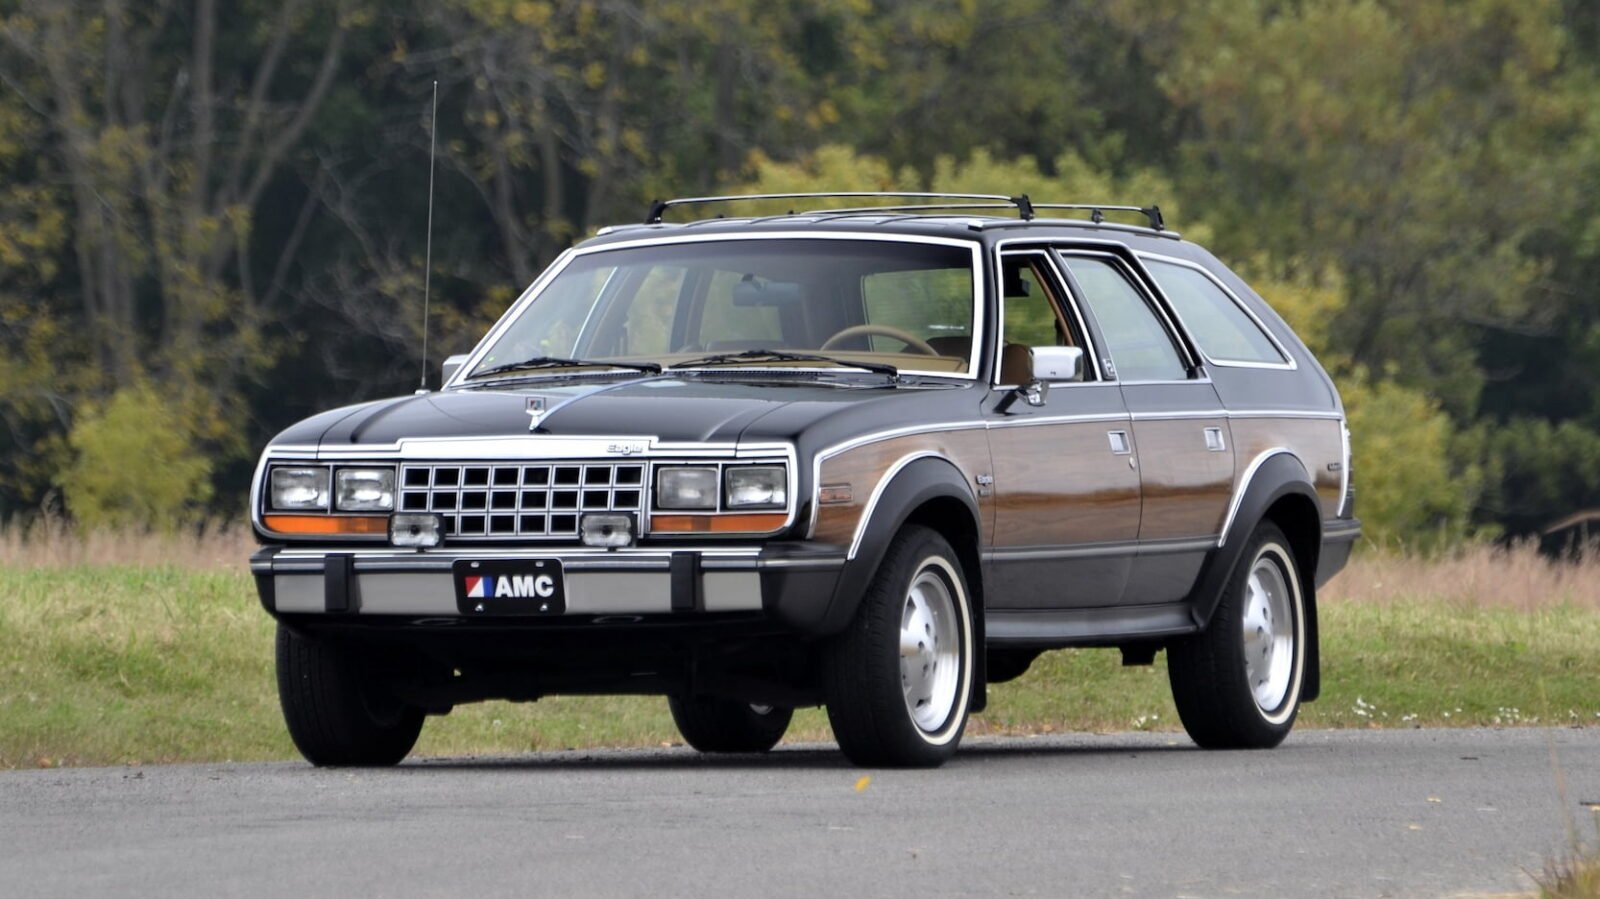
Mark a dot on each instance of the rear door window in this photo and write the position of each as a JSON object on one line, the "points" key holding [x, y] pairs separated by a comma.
{"points": [[1139, 345]]}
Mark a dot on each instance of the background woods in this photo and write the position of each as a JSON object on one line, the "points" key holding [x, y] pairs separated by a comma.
{"points": [[211, 213]]}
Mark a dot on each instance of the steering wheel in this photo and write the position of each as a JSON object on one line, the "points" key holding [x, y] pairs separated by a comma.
{"points": [[910, 340]]}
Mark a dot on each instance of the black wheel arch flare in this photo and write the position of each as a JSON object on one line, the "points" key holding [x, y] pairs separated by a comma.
{"points": [[935, 493], [1281, 491]]}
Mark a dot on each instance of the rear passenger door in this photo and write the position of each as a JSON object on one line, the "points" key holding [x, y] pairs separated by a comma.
{"points": [[1180, 432]]}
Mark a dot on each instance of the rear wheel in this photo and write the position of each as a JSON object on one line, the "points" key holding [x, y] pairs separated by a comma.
{"points": [[337, 709], [1237, 684], [710, 724], [898, 680]]}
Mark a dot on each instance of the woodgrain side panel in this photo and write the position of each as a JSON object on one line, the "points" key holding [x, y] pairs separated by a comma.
{"points": [[1060, 485], [865, 466], [1186, 486], [1316, 441]]}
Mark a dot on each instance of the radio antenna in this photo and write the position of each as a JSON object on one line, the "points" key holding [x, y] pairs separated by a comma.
{"points": [[427, 270]]}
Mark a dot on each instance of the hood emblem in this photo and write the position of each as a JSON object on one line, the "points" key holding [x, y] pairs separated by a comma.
{"points": [[537, 408]]}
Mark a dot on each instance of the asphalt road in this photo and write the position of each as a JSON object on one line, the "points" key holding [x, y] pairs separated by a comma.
{"points": [[1345, 813]]}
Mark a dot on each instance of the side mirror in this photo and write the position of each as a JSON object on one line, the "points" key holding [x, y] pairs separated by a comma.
{"points": [[1045, 364], [1056, 363], [452, 364]]}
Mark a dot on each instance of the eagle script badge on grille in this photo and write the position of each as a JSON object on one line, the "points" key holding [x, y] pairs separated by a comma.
{"points": [[537, 407]]}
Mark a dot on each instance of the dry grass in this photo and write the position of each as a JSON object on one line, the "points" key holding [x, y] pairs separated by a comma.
{"points": [[1475, 576], [153, 648], [51, 545]]}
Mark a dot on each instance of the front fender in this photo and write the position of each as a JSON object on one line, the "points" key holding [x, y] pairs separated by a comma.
{"points": [[917, 483]]}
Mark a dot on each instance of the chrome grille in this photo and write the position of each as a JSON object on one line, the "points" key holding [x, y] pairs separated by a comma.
{"points": [[501, 501]]}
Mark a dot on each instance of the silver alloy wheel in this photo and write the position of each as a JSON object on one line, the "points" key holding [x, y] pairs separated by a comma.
{"points": [[930, 651], [1270, 627]]}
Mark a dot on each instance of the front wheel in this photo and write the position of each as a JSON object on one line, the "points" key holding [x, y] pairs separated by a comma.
{"points": [[1237, 684], [898, 680], [337, 709], [710, 724]]}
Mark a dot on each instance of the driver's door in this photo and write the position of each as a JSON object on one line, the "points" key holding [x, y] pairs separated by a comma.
{"points": [[1065, 478]]}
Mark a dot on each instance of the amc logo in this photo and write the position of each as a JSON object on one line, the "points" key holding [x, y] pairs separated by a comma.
{"points": [[511, 586]]}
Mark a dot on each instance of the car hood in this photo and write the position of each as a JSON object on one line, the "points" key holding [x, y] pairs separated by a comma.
{"points": [[665, 409]]}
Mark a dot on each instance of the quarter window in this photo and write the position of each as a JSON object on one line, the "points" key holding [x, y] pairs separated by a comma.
{"points": [[1139, 346], [1221, 329]]}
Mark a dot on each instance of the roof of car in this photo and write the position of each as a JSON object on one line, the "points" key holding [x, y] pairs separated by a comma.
{"points": [[964, 216], [982, 228]]}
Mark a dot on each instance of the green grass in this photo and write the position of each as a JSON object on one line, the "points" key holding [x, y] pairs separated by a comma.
{"points": [[122, 664]]}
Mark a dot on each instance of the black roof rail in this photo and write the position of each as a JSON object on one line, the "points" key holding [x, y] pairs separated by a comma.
{"points": [[1097, 212], [1026, 208], [659, 207]]}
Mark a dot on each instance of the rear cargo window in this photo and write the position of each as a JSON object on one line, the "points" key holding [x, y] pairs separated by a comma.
{"points": [[1224, 332]]}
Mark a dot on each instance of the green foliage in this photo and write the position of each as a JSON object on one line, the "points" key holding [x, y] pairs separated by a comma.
{"points": [[236, 214], [1416, 146], [135, 464], [1414, 488], [1408, 493], [1537, 468]]}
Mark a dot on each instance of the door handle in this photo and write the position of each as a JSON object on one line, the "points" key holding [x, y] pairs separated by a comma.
{"points": [[1119, 443], [1214, 441]]}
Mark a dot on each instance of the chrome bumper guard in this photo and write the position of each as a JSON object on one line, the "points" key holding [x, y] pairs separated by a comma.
{"points": [[599, 583]]}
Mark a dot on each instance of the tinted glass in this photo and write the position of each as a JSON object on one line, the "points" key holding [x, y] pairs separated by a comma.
{"points": [[1138, 344], [931, 304], [1031, 318], [677, 302], [1222, 330]]}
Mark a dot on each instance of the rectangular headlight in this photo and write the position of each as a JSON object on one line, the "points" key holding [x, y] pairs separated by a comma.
{"points": [[681, 487], [757, 487], [299, 488], [363, 489]]}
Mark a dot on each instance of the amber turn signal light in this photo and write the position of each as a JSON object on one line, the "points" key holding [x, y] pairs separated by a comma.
{"points": [[325, 525], [716, 524]]}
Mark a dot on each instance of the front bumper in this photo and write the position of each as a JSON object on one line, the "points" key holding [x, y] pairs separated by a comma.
{"points": [[791, 584]]}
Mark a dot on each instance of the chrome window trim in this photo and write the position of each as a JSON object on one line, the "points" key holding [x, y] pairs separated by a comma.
{"points": [[1244, 484], [999, 342], [1290, 365], [1179, 337], [531, 294]]}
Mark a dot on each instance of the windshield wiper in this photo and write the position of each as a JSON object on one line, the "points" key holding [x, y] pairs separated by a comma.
{"points": [[759, 355], [534, 363]]}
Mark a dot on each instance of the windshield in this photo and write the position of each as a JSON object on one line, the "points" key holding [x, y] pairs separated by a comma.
{"points": [[907, 305]]}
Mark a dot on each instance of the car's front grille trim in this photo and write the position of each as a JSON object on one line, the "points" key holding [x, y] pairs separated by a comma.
{"points": [[520, 501]]}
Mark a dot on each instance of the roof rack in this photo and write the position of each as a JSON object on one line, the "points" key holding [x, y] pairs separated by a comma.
{"points": [[1024, 206]]}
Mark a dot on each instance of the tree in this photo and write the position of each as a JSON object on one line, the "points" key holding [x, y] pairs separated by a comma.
{"points": [[1416, 146]]}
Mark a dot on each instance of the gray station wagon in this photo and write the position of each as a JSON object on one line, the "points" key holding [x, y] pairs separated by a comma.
{"points": [[874, 459]]}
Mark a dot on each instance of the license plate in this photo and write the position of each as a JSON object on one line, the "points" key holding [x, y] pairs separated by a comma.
{"points": [[510, 587]]}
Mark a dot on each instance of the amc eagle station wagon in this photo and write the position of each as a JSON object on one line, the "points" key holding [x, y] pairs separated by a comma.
{"points": [[874, 459]]}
